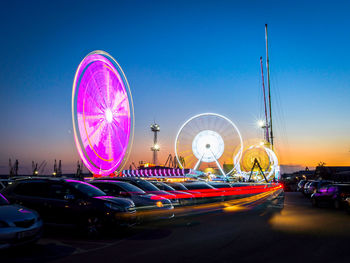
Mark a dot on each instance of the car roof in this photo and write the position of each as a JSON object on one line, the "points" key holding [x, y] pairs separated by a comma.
{"points": [[106, 181], [117, 178], [48, 179]]}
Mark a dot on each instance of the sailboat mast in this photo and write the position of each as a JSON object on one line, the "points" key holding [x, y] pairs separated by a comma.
{"points": [[268, 85], [263, 86]]}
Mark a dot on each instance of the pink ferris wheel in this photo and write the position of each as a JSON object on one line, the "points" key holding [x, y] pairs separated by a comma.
{"points": [[103, 113]]}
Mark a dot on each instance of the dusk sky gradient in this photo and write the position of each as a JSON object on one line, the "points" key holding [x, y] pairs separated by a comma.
{"points": [[181, 58]]}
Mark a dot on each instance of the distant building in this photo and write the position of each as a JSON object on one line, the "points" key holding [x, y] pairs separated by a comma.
{"points": [[334, 173]]}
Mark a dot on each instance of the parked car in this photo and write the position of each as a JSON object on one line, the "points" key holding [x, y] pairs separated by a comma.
{"points": [[207, 192], [332, 195], [184, 197], [70, 201], [315, 185], [306, 188], [4, 183], [145, 186], [226, 189], [177, 186], [142, 200], [301, 184], [18, 225]]}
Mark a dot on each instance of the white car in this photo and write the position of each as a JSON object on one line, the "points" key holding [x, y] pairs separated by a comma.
{"points": [[18, 225]]}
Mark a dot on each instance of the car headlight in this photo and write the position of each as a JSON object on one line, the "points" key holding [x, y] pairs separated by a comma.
{"points": [[113, 206], [3, 224]]}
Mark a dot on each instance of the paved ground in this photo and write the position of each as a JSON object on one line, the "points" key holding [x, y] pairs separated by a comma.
{"points": [[260, 233]]}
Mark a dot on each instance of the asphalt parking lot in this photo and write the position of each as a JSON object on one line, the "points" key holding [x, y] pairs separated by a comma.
{"points": [[262, 232]]}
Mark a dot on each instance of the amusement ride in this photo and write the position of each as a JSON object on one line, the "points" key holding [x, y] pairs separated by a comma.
{"points": [[103, 124], [103, 113]]}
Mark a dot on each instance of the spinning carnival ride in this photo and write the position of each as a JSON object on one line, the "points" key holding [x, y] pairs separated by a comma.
{"points": [[208, 138], [103, 113], [259, 163]]}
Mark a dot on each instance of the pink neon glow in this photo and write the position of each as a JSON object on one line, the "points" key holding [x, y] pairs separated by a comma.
{"points": [[102, 116]]}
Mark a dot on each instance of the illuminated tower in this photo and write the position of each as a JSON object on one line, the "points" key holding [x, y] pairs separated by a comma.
{"points": [[155, 148]]}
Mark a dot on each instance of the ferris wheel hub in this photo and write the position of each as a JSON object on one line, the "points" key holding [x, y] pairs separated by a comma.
{"points": [[208, 146], [109, 115]]}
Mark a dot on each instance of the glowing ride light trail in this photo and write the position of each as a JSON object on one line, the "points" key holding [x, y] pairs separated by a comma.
{"points": [[208, 138], [102, 113], [266, 158]]}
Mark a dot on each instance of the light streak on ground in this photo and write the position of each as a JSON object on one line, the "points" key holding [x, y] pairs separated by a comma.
{"points": [[246, 201]]}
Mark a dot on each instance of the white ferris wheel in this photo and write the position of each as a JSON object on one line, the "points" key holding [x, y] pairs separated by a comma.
{"points": [[208, 139]]}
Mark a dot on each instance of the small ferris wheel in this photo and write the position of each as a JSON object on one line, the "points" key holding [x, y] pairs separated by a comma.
{"points": [[258, 162]]}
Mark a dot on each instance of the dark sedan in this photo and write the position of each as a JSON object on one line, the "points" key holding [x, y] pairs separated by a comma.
{"points": [[143, 201], [145, 186], [65, 201], [184, 197], [301, 184], [332, 195], [207, 193]]}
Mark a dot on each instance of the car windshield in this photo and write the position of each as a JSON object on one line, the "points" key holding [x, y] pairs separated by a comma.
{"points": [[86, 188], [130, 188], [163, 186], [191, 186], [218, 185], [178, 186], [147, 186], [3, 200]]}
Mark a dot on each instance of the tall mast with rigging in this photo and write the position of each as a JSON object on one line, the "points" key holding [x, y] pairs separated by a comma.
{"points": [[268, 86], [266, 126]]}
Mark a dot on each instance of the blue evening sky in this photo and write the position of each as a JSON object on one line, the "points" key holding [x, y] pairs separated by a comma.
{"points": [[181, 58]]}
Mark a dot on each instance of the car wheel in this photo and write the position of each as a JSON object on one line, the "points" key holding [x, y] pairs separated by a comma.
{"points": [[314, 202], [336, 204], [93, 225]]}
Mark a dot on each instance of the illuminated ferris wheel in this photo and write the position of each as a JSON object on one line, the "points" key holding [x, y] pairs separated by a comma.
{"points": [[259, 163], [208, 138], [103, 113]]}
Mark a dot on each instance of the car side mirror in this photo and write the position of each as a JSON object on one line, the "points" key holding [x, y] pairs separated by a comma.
{"points": [[69, 197]]}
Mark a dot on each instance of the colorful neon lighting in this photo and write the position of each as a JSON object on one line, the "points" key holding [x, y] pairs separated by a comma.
{"points": [[103, 114], [161, 172]]}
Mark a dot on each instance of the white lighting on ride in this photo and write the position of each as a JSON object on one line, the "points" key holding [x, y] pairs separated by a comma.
{"points": [[109, 115], [207, 146], [208, 138], [271, 171]]}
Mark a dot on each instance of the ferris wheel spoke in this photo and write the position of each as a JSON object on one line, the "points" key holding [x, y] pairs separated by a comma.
{"points": [[93, 117], [217, 163], [94, 139], [116, 125], [188, 163], [93, 87], [120, 133], [92, 99], [108, 89], [110, 152], [187, 151], [117, 105], [198, 163]]}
